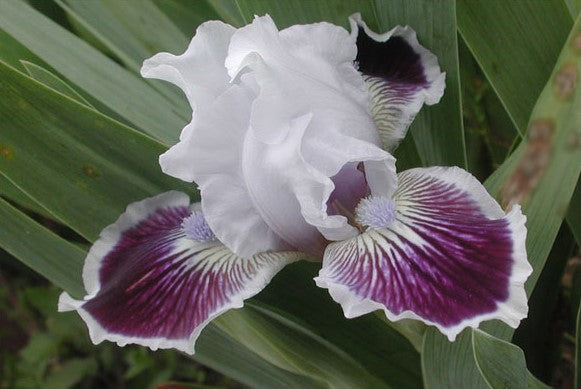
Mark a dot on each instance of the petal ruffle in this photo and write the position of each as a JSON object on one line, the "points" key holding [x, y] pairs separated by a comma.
{"points": [[150, 283], [212, 154], [301, 68], [309, 120], [452, 258], [401, 76], [200, 70]]}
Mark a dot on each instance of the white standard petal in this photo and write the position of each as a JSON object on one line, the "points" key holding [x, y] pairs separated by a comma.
{"points": [[200, 70], [309, 120], [157, 276], [211, 154]]}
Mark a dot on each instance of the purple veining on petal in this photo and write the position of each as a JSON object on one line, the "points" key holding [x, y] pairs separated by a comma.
{"points": [[156, 283], [442, 259], [400, 74]]}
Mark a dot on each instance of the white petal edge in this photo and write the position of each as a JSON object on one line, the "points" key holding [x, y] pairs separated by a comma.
{"points": [[98, 334], [200, 70], [511, 311], [109, 237], [392, 125], [430, 61]]}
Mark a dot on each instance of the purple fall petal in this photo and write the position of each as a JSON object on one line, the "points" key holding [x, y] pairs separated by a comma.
{"points": [[401, 76], [451, 257], [150, 283]]}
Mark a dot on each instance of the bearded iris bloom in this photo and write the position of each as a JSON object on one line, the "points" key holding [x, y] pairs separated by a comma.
{"points": [[290, 144]]}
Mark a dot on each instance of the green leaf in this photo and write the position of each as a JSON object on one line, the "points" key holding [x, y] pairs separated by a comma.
{"points": [[12, 52], [125, 29], [488, 128], [70, 373], [450, 365], [39, 248], [132, 30], [86, 166], [230, 11], [437, 130], [221, 352], [502, 364], [545, 202], [536, 334], [573, 213], [516, 44], [187, 15], [92, 72], [578, 350], [545, 197], [42, 75], [376, 346], [9, 191], [295, 348]]}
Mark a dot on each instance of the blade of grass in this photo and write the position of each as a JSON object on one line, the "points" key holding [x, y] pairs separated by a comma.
{"points": [[9, 191], [287, 13], [295, 348], [578, 351], [501, 363], [188, 15], [377, 347], [125, 28], [114, 87], [574, 213], [39, 248], [58, 151], [516, 44], [42, 75]]}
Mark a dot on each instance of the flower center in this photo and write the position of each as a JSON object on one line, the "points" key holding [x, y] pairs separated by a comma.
{"points": [[196, 228], [375, 212]]}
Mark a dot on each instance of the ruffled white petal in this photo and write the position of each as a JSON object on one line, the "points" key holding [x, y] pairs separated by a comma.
{"points": [[212, 156], [264, 152], [309, 119], [200, 70]]}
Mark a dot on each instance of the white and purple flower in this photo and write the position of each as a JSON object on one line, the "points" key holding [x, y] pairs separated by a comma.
{"points": [[288, 146]]}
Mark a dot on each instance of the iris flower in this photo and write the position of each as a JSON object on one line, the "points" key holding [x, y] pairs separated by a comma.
{"points": [[290, 144]]}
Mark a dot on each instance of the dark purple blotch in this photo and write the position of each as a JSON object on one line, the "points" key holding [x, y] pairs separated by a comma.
{"points": [[394, 61]]}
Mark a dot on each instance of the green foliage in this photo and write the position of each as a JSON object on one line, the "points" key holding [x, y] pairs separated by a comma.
{"points": [[44, 76], [57, 353], [578, 351], [102, 156], [91, 71], [80, 136], [502, 364], [55, 258], [516, 44]]}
